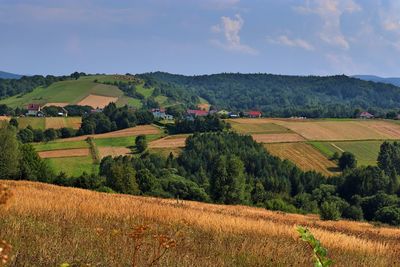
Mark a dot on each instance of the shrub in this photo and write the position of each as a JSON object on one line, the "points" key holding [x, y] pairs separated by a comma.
{"points": [[353, 212], [389, 215], [329, 211]]}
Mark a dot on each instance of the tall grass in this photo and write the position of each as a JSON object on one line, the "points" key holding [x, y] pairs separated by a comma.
{"points": [[49, 225]]}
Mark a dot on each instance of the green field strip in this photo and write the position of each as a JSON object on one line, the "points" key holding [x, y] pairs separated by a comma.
{"points": [[59, 145]]}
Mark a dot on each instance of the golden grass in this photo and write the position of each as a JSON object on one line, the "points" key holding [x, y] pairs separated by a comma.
{"points": [[97, 101], [277, 138], [173, 141], [304, 156], [48, 225]]}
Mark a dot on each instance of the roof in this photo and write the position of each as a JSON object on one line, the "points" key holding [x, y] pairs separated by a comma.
{"points": [[33, 107], [365, 114], [158, 110], [254, 113], [197, 112]]}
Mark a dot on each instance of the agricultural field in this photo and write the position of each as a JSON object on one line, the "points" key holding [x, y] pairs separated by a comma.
{"points": [[278, 138], [34, 122], [171, 141], [305, 156], [72, 166], [64, 153], [60, 122], [97, 101], [165, 151], [54, 145], [366, 152], [67, 92], [103, 229], [259, 128]]}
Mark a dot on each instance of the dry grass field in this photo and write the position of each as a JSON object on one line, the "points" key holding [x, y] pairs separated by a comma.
{"points": [[134, 131], [97, 101], [277, 138], [60, 122], [49, 225], [305, 156], [113, 151], [266, 128], [4, 118], [173, 141], [64, 153], [56, 104], [344, 130]]}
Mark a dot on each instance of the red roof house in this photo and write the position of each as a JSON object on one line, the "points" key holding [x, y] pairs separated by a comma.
{"points": [[33, 109], [253, 114], [366, 115], [197, 113]]}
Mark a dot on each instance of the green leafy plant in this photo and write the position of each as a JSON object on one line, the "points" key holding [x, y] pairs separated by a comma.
{"points": [[320, 254]]}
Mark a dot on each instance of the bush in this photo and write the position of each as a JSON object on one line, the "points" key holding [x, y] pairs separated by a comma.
{"points": [[329, 211], [279, 204], [389, 215], [354, 213], [347, 161]]}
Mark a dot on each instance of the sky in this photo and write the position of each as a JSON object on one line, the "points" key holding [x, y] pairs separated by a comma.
{"points": [[296, 37]]}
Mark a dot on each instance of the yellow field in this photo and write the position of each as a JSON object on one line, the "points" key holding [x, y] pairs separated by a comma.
{"points": [[344, 130], [304, 156], [60, 122], [277, 138], [48, 225], [97, 101]]}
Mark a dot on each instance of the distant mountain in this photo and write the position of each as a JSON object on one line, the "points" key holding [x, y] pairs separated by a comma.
{"points": [[372, 78], [7, 75]]}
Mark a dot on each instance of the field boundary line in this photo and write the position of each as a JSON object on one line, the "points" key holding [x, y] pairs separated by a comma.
{"points": [[335, 146]]}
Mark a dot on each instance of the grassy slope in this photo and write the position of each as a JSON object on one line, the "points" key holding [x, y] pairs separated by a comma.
{"points": [[366, 152], [71, 91], [35, 123], [57, 225], [73, 166]]}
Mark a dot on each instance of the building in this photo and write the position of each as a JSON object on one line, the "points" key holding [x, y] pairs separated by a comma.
{"points": [[366, 115], [160, 113], [197, 112], [62, 112], [34, 110], [253, 114]]}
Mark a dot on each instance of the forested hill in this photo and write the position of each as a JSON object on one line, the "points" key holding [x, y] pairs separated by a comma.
{"points": [[281, 95], [7, 75]]}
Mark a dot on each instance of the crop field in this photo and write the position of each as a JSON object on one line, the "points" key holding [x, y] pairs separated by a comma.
{"points": [[60, 122], [172, 141], [165, 151], [125, 141], [305, 156], [4, 118], [124, 100], [54, 145], [277, 138], [64, 153], [366, 152], [113, 151], [134, 131], [97, 101], [34, 122], [58, 225], [265, 128], [73, 166], [344, 129]]}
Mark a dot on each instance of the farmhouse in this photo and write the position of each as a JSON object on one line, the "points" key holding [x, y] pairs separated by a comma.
{"points": [[34, 110], [160, 113], [253, 114], [366, 115], [62, 112], [196, 113]]}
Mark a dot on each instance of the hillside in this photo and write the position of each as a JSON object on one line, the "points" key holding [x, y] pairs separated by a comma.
{"points": [[57, 225], [283, 96], [394, 81], [8, 75]]}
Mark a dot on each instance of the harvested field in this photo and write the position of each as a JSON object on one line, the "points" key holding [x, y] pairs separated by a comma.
{"points": [[97, 227], [60, 122], [252, 121], [97, 101], [34, 122], [165, 151], [134, 131], [113, 151], [56, 104], [169, 142], [204, 106], [277, 138], [344, 130], [304, 156], [64, 153]]}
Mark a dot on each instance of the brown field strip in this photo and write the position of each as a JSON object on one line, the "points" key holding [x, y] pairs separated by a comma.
{"points": [[113, 151], [74, 122], [344, 130], [277, 138], [141, 129], [55, 122], [63, 153], [97, 101], [209, 235], [169, 142], [304, 156]]}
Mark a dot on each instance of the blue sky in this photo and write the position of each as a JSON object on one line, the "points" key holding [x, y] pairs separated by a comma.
{"points": [[302, 37]]}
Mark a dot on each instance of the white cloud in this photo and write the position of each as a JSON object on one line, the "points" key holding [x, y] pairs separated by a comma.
{"points": [[330, 12], [230, 28], [285, 40], [390, 16]]}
